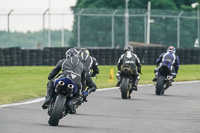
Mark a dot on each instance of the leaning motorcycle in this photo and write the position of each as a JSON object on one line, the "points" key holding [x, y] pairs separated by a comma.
{"points": [[61, 104], [164, 80], [126, 82]]}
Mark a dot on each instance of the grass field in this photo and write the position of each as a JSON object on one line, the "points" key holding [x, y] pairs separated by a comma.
{"points": [[20, 83]]}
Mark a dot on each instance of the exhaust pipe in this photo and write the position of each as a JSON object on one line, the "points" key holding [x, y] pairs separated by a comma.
{"points": [[60, 85], [70, 88], [169, 77]]}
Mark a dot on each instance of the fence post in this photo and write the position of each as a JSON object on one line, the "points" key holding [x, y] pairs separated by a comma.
{"points": [[178, 29], [148, 22], [63, 32], [145, 28], [79, 28], [126, 24], [9, 20], [49, 30], [198, 14], [113, 29], [43, 16]]}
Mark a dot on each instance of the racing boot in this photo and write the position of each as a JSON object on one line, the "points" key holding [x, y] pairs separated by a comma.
{"points": [[85, 94], [173, 76], [46, 102], [156, 76], [91, 89], [155, 79], [50, 93], [134, 86], [118, 78], [118, 83], [130, 93]]}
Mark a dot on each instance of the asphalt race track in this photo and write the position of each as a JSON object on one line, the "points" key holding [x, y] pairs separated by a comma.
{"points": [[178, 111]]}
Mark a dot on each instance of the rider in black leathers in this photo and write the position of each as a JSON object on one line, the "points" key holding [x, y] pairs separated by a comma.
{"points": [[71, 68], [92, 69], [131, 60]]}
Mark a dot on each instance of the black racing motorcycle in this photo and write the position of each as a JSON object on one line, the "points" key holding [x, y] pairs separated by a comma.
{"points": [[62, 104], [164, 80], [126, 82]]}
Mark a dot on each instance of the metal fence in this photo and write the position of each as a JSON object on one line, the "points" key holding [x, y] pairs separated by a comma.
{"points": [[103, 27]]}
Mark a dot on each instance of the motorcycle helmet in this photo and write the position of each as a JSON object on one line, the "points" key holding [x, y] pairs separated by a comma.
{"points": [[72, 52], [128, 48], [171, 49], [84, 51]]}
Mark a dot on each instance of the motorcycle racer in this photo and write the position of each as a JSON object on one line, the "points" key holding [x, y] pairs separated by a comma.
{"points": [[73, 69], [132, 60]]}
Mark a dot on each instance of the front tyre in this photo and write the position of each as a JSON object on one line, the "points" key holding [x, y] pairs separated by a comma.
{"points": [[57, 110], [124, 88], [160, 85]]}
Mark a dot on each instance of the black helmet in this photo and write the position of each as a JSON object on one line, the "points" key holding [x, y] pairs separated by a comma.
{"points": [[171, 49], [128, 48], [84, 51], [71, 52]]}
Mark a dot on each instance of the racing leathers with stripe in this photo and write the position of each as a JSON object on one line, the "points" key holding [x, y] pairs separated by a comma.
{"points": [[92, 69], [71, 68], [170, 60], [133, 61]]}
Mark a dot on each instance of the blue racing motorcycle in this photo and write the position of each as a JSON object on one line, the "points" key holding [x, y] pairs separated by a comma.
{"points": [[62, 104], [164, 80]]}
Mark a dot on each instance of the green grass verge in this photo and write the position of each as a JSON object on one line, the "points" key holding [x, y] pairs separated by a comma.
{"points": [[20, 83]]}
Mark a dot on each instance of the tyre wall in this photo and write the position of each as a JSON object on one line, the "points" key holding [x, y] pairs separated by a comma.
{"points": [[15, 56]]}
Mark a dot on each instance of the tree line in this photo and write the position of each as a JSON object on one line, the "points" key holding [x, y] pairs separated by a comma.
{"points": [[37, 39], [96, 31]]}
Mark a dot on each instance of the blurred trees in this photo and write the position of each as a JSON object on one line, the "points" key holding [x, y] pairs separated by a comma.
{"points": [[120, 4], [32, 39], [96, 30]]}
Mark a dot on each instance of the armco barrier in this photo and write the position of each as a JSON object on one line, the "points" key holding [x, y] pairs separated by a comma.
{"points": [[15, 56]]}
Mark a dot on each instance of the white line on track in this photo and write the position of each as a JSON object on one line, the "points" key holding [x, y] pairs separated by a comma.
{"points": [[21, 103], [104, 89]]}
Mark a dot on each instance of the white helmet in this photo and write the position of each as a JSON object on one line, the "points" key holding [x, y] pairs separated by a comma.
{"points": [[171, 49], [128, 48], [71, 52]]}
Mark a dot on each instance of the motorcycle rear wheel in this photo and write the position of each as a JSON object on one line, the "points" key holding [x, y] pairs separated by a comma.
{"points": [[160, 85], [125, 93], [57, 110]]}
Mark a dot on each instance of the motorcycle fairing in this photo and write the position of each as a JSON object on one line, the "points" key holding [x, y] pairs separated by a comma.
{"points": [[66, 81]]}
